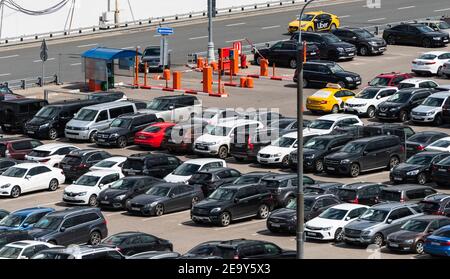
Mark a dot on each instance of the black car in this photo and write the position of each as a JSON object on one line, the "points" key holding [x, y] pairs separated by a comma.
{"points": [[285, 53], [415, 34], [233, 202], [366, 43], [405, 193], [203, 249], [330, 46], [315, 149], [365, 193], [3, 213], [366, 154], [130, 243], [211, 179], [251, 177], [251, 249], [417, 169], [6, 163], [437, 204], [155, 255], [402, 131], [78, 162], [324, 72], [249, 143], [71, 226], [124, 189], [156, 165], [285, 219], [164, 198], [440, 172], [15, 113], [419, 141], [122, 130], [7, 237], [399, 105], [323, 188]]}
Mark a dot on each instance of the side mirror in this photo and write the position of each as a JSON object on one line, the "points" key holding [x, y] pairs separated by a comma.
{"points": [[378, 97], [389, 221], [296, 145], [172, 195], [26, 225], [28, 177], [354, 37], [171, 107], [23, 258], [236, 200], [365, 153], [347, 218], [62, 229], [101, 185], [431, 230]]}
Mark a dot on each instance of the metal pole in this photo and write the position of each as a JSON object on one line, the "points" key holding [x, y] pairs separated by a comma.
{"points": [[43, 74], [1, 20], [116, 14], [211, 56]]}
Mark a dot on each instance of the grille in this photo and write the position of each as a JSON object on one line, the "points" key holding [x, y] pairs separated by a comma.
{"points": [[264, 156], [331, 162], [313, 228], [352, 233], [70, 194], [201, 211], [137, 205], [73, 128], [277, 220], [350, 49], [419, 113], [355, 105], [32, 128]]}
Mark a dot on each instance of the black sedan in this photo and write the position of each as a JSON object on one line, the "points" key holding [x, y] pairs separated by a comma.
{"points": [[440, 173], [417, 169], [415, 34], [165, 197], [419, 141], [130, 243], [121, 191]]}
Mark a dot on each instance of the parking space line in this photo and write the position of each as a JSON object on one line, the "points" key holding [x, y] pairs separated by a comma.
{"points": [[240, 225], [344, 16], [376, 19], [232, 41], [75, 64], [4, 75], [235, 24], [362, 177], [49, 203], [169, 214], [9, 56], [39, 60], [441, 10], [113, 214], [198, 38], [270, 27], [407, 7], [88, 45]]}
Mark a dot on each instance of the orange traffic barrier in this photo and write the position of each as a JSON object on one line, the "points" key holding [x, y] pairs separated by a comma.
{"points": [[264, 68], [166, 74], [176, 80], [207, 79], [250, 82], [243, 82], [215, 66], [235, 62], [200, 62]]}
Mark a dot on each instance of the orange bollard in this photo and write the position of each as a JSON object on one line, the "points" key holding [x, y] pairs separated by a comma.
{"points": [[176, 80], [235, 62], [166, 76], [250, 82], [243, 82], [215, 66], [207, 79], [264, 68], [200, 63]]}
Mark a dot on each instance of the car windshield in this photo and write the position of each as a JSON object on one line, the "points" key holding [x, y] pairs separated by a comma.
{"points": [[415, 226], [333, 214], [152, 52], [331, 39], [52, 256], [152, 129], [441, 143], [12, 221], [10, 252], [443, 233], [123, 184], [374, 215], [218, 130], [420, 159], [48, 112], [424, 29], [15, 172], [400, 98], [307, 17], [87, 180], [86, 115], [403, 85], [209, 114], [159, 104], [363, 33], [39, 153], [222, 194], [353, 147], [247, 179], [308, 204], [367, 93], [48, 223], [317, 144], [427, 56], [186, 169], [158, 191], [284, 142], [443, 25], [201, 178], [105, 164], [321, 124], [121, 123], [336, 69], [433, 102], [380, 81]]}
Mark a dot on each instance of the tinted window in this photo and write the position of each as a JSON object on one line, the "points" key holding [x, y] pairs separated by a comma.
{"points": [[115, 112], [95, 157], [400, 213], [21, 145], [102, 116]]}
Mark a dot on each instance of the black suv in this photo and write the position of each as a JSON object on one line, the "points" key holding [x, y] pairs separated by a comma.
{"points": [[211, 179], [415, 34], [156, 165], [365, 42], [78, 162], [330, 46], [405, 193], [15, 113], [324, 72], [249, 143], [399, 105], [366, 193], [7, 237], [251, 249], [404, 132], [323, 188], [71, 226], [437, 204], [233, 202], [366, 154], [122, 130]]}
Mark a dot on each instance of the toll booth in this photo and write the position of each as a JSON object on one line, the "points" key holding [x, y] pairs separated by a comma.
{"points": [[229, 57]]}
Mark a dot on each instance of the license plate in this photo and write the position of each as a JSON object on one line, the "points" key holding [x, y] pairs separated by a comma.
{"points": [[331, 168], [69, 198], [276, 225], [141, 137], [104, 202], [445, 40], [263, 161], [358, 82], [351, 54], [7, 125], [135, 209], [31, 132], [382, 48], [393, 244], [382, 114], [131, 172], [311, 233], [238, 145], [398, 178], [442, 170], [100, 140], [410, 148], [313, 53], [200, 147]]}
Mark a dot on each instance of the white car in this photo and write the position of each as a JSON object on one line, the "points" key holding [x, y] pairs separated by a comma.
{"points": [[326, 124], [85, 190], [184, 171], [30, 177], [329, 224], [213, 116], [216, 140], [417, 83], [440, 145], [430, 63], [278, 152], [24, 249], [50, 154], [112, 163], [366, 102]]}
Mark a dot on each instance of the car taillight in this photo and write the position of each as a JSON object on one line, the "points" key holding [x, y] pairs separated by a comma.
{"points": [[323, 102], [430, 63], [44, 160], [420, 148], [236, 257], [250, 144], [105, 222], [7, 153], [445, 243], [355, 201], [402, 148], [81, 166]]}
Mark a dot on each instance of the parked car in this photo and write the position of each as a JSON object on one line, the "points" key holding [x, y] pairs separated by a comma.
{"points": [[277, 153], [50, 154], [389, 79], [213, 116], [71, 226], [250, 178], [446, 109], [366, 102], [430, 63], [153, 135], [124, 189], [436, 25], [438, 243], [328, 123], [3, 214], [417, 83], [440, 173], [366, 43], [442, 145], [251, 249], [164, 198], [30, 177], [404, 132], [379, 221], [23, 219], [446, 69], [7, 94], [366, 193], [411, 236], [188, 168], [175, 108], [7, 237], [418, 142], [181, 137], [155, 255], [111, 163], [323, 188], [284, 53], [23, 249], [131, 243], [251, 142], [15, 113], [83, 252], [6, 163], [211, 179], [430, 110], [330, 223], [17, 148], [415, 34], [152, 57], [156, 165], [78, 162], [405, 193], [437, 204], [86, 189], [417, 169], [331, 99]]}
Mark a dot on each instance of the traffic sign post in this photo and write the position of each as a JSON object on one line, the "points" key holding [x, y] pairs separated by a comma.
{"points": [[44, 57], [164, 56]]}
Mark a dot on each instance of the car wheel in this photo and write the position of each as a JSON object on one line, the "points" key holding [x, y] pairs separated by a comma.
{"points": [[52, 134], [95, 238], [285, 162], [122, 142], [92, 201], [15, 192], [447, 75], [437, 120], [319, 166], [426, 43], [263, 211], [225, 219], [439, 72], [419, 247], [394, 161], [403, 116], [364, 51], [159, 210], [194, 201], [53, 186], [378, 239], [391, 40], [354, 170], [92, 137], [421, 179], [371, 112], [305, 83], [335, 109], [310, 29], [342, 84], [339, 235], [223, 152], [293, 63]]}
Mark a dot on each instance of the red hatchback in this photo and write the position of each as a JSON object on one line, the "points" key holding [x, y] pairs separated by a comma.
{"points": [[389, 79], [153, 135]]}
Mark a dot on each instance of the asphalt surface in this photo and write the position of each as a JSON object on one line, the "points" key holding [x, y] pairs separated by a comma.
{"points": [[23, 62]]}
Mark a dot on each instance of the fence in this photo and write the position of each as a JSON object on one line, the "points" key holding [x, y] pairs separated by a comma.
{"points": [[31, 82]]}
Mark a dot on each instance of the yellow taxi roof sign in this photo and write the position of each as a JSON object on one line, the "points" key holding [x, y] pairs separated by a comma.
{"points": [[334, 85]]}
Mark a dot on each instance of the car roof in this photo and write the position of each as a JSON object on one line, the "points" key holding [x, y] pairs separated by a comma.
{"points": [[101, 173], [280, 176], [234, 243], [202, 161], [405, 187], [390, 205], [392, 74], [439, 197], [216, 170], [168, 184], [368, 139], [429, 217], [83, 152], [348, 206], [108, 105], [25, 243], [74, 210], [431, 133], [358, 185], [29, 165], [321, 62], [236, 122], [81, 249], [432, 153], [32, 210], [115, 159], [415, 80], [127, 233], [52, 146], [442, 95], [143, 155], [335, 117], [316, 196], [22, 100]]}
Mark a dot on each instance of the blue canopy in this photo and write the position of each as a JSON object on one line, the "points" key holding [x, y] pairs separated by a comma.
{"points": [[108, 54]]}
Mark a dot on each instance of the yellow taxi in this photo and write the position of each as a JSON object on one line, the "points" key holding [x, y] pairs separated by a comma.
{"points": [[329, 99], [315, 21]]}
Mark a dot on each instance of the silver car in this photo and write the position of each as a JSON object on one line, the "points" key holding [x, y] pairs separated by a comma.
{"points": [[431, 109]]}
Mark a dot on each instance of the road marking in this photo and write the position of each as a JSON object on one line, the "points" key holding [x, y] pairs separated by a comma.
{"points": [[407, 7], [240, 225], [270, 27], [39, 60], [238, 40], [169, 214], [157, 35], [88, 45], [32, 196], [115, 213], [376, 19], [4, 75], [441, 10], [197, 38], [75, 64], [364, 177], [235, 24], [344, 16], [9, 56]]}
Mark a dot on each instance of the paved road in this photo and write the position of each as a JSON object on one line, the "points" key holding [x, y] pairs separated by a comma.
{"points": [[18, 63]]}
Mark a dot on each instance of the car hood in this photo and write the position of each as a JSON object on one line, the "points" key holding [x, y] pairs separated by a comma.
{"points": [[284, 213], [78, 188], [313, 132], [437, 34], [345, 74], [272, 149], [408, 167], [78, 123], [37, 121], [177, 178], [10, 180], [114, 130], [323, 223], [423, 108], [210, 138], [390, 105], [358, 101], [147, 199], [307, 151], [111, 193], [361, 224], [342, 156], [210, 204], [403, 235]]}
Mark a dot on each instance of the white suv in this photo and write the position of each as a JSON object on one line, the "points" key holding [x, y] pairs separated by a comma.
{"points": [[278, 152], [185, 171], [326, 124], [50, 154], [417, 83], [366, 102]]}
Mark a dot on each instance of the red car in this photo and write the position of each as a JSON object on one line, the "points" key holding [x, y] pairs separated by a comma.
{"points": [[153, 135], [389, 79]]}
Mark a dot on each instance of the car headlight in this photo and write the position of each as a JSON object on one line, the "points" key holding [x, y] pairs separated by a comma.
{"points": [[277, 155], [373, 43], [153, 204], [365, 233], [327, 228], [349, 78], [409, 241], [6, 186], [116, 135], [340, 49], [45, 125], [311, 156], [210, 143], [431, 113], [393, 109], [121, 197], [346, 161], [82, 194], [215, 210], [437, 38], [414, 172], [294, 218]]}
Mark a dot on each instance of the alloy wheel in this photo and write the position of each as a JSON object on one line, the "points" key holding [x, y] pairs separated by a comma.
{"points": [[159, 210]]}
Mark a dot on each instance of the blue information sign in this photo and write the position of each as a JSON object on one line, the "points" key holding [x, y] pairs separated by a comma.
{"points": [[164, 31]]}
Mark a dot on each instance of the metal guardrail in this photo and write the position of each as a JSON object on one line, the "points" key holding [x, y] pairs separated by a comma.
{"points": [[31, 82]]}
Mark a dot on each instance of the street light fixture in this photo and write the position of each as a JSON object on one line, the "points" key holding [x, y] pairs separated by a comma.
{"points": [[211, 57], [300, 191]]}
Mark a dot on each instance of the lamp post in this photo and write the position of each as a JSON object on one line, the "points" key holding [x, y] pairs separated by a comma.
{"points": [[211, 57], [300, 191]]}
